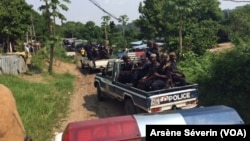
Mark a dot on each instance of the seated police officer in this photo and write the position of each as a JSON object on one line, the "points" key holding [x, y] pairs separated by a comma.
{"points": [[142, 70], [125, 75]]}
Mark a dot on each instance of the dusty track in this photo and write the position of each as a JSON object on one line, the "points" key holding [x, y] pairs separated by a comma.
{"points": [[83, 101], [84, 104]]}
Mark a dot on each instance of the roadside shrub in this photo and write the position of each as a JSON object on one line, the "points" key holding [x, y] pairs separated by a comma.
{"points": [[223, 78]]}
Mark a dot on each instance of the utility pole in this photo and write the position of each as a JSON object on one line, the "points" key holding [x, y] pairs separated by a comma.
{"points": [[106, 34], [33, 28]]}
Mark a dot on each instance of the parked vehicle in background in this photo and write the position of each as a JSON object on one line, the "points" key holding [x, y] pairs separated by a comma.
{"points": [[73, 44], [94, 63], [69, 43], [89, 64], [132, 53]]}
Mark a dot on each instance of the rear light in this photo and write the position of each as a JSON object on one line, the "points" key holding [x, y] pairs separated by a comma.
{"points": [[154, 110], [108, 129], [133, 127]]}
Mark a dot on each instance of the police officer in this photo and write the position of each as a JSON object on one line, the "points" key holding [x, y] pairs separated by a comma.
{"points": [[177, 76], [142, 70], [125, 75]]}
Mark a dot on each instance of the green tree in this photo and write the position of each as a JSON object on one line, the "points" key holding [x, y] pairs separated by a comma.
{"points": [[203, 26], [181, 23], [51, 11], [90, 28], [151, 18], [15, 19], [113, 32], [123, 19], [38, 22], [180, 11], [238, 24], [105, 23]]}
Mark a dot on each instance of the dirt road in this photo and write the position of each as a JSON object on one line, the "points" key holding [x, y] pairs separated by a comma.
{"points": [[84, 104]]}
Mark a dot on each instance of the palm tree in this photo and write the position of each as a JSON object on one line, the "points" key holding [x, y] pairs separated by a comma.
{"points": [[123, 19], [105, 22], [54, 6]]}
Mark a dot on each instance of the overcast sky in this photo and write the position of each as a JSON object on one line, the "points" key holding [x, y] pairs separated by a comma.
{"points": [[84, 11]]}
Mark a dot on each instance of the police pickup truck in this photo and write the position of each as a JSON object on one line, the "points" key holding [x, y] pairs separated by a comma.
{"points": [[137, 100]]}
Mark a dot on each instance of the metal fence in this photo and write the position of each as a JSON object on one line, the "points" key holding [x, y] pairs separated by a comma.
{"points": [[12, 64]]}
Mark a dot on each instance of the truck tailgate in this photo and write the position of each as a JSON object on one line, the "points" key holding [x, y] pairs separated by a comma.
{"points": [[183, 98]]}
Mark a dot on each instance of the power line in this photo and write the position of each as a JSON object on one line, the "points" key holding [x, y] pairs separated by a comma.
{"points": [[96, 4]]}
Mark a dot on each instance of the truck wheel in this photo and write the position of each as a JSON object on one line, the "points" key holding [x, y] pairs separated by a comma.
{"points": [[82, 65], [100, 96], [89, 70], [129, 107]]}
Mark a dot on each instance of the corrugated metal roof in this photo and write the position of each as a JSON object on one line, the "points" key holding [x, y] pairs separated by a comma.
{"points": [[12, 64]]}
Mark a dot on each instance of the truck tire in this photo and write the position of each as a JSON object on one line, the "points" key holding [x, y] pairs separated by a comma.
{"points": [[82, 65], [100, 95], [89, 70], [129, 107]]}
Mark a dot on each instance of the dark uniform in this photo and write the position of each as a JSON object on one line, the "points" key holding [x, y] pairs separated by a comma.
{"points": [[141, 71], [151, 81], [125, 75], [177, 76], [163, 77], [91, 53]]}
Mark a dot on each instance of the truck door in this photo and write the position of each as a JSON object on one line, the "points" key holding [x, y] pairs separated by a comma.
{"points": [[109, 75], [118, 90]]}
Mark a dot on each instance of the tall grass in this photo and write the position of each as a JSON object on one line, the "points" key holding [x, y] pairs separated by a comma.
{"points": [[41, 105]]}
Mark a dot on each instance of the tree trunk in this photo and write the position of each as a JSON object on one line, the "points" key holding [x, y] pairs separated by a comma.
{"points": [[8, 44], [106, 35], [123, 35], [54, 25], [52, 46], [50, 27], [50, 69], [180, 37]]}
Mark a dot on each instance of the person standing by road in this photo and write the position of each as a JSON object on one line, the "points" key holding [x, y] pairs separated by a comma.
{"points": [[90, 52]]}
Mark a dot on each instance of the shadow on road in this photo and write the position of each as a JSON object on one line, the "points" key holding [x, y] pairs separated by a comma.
{"points": [[88, 72], [106, 108]]}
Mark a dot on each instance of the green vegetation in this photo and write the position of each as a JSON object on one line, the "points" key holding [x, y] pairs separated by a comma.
{"points": [[223, 78], [41, 105], [189, 27], [44, 102]]}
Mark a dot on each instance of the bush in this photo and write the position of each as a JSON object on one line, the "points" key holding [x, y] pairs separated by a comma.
{"points": [[223, 78]]}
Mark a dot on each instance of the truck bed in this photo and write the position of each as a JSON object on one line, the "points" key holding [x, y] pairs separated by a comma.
{"points": [[157, 92], [98, 63], [107, 84]]}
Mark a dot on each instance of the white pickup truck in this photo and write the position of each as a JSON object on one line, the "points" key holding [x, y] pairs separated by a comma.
{"points": [[89, 65]]}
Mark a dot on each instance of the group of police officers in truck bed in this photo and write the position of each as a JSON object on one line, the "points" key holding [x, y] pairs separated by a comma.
{"points": [[153, 71]]}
